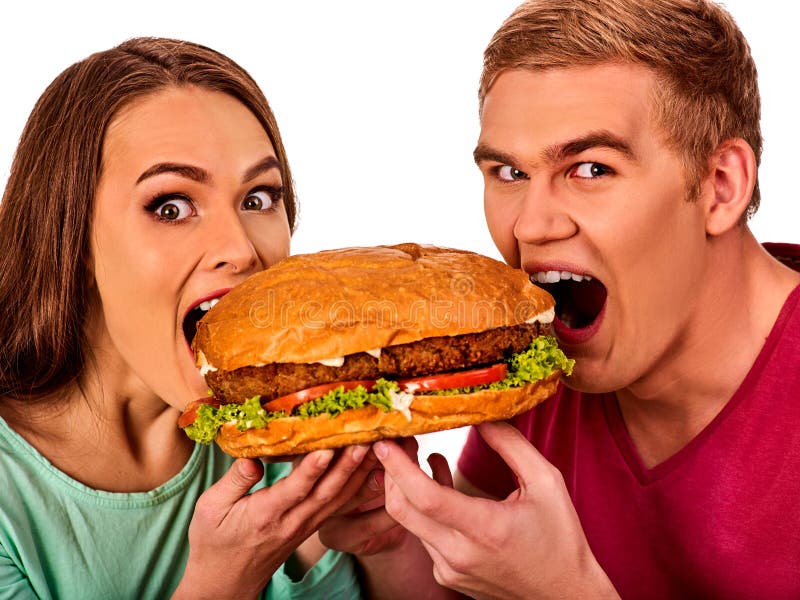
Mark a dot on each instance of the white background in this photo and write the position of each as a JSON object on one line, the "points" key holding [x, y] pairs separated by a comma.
{"points": [[376, 102]]}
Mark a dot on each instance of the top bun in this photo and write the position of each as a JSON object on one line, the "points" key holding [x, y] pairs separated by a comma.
{"points": [[312, 307]]}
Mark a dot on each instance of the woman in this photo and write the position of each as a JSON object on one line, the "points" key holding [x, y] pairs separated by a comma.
{"points": [[162, 182]]}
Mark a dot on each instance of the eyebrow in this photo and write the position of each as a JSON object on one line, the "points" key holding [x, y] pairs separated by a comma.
{"points": [[484, 153], [260, 167], [201, 175], [558, 152], [188, 171], [594, 139]]}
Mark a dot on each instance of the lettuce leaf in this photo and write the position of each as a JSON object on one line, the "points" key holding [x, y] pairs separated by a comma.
{"points": [[249, 414], [539, 361]]}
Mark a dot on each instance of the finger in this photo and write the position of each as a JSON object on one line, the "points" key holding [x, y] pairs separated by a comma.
{"points": [[410, 446], [243, 474], [298, 484], [443, 571], [422, 522], [429, 510], [408, 476], [517, 452], [331, 490], [369, 495], [349, 475], [354, 533], [440, 470]]}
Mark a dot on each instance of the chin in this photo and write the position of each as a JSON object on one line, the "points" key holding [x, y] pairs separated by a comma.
{"points": [[194, 387], [591, 381]]}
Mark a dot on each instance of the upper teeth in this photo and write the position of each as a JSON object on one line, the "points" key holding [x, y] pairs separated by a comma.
{"points": [[208, 304], [556, 276]]}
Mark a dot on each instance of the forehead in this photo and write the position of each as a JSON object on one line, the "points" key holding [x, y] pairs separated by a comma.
{"points": [[559, 104], [188, 124]]}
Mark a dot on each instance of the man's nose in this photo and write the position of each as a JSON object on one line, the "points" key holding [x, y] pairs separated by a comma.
{"points": [[543, 215]]}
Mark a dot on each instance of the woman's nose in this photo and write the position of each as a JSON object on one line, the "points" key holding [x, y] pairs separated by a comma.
{"points": [[229, 246]]}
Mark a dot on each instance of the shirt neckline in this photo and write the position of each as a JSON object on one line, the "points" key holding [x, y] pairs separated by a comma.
{"points": [[161, 493], [622, 438]]}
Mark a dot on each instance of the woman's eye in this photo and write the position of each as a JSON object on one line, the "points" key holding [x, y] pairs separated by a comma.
{"points": [[172, 209], [590, 170], [509, 173], [262, 199]]}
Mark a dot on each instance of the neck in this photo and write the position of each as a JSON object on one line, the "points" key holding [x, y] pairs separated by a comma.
{"points": [[732, 314], [110, 433]]}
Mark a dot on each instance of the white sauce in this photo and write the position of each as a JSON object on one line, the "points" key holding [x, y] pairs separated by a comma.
{"points": [[402, 401], [545, 317], [336, 361], [204, 366]]}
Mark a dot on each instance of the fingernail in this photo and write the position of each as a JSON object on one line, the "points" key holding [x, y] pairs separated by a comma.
{"points": [[246, 468], [358, 452], [381, 450], [324, 457], [375, 481]]}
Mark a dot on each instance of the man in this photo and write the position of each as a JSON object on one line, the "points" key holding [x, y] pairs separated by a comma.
{"points": [[619, 146]]}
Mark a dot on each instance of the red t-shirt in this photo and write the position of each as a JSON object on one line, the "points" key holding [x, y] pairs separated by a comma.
{"points": [[719, 519]]}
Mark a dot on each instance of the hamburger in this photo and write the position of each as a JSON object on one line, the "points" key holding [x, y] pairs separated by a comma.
{"points": [[353, 345]]}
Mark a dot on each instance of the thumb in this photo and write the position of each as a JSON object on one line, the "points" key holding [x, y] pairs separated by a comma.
{"points": [[240, 478]]}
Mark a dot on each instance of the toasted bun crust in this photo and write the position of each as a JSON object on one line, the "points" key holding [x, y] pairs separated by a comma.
{"points": [[311, 307], [358, 426]]}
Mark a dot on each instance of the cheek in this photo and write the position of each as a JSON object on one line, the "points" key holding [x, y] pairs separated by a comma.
{"points": [[500, 218], [134, 298], [271, 241], [134, 281]]}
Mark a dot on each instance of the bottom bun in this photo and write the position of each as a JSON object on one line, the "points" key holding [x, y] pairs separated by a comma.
{"points": [[293, 435]]}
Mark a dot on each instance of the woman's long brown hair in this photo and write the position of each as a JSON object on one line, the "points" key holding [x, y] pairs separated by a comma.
{"points": [[45, 215]]}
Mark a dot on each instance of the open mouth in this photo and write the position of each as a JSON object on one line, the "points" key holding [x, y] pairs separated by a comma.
{"points": [[579, 298], [193, 316]]}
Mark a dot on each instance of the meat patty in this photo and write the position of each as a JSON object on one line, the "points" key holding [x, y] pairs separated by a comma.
{"points": [[425, 357]]}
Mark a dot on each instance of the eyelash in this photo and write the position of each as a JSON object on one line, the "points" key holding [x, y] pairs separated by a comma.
{"points": [[495, 170], [159, 200], [605, 168], [276, 192]]}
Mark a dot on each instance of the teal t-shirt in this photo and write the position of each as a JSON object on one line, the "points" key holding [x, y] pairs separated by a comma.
{"points": [[62, 539]]}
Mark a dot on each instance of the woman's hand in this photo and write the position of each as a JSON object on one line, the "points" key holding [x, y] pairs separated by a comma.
{"points": [[529, 545], [394, 563], [238, 540]]}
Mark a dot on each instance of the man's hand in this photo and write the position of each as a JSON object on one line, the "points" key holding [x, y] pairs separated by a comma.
{"points": [[361, 526], [393, 562], [529, 545]]}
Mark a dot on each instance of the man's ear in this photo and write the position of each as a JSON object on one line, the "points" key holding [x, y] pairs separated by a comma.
{"points": [[728, 187]]}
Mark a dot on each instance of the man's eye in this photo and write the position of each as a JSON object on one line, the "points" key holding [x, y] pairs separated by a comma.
{"points": [[262, 199], [590, 170], [173, 209], [509, 173]]}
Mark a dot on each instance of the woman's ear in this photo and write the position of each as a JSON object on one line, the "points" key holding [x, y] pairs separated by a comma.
{"points": [[729, 185]]}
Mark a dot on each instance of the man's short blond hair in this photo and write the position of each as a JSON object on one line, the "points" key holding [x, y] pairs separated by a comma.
{"points": [[708, 88]]}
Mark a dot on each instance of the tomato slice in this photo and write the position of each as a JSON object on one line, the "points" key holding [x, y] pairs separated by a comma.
{"points": [[458, 379], [288, 402], [439, 381], [189, 414]]}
